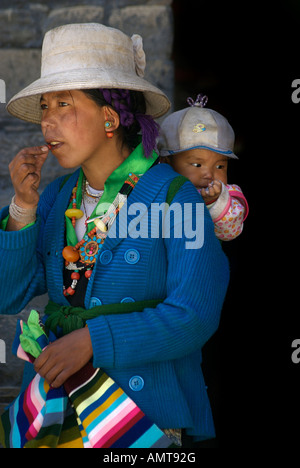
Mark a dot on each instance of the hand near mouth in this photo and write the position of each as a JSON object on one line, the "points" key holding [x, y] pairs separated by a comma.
{"points": [[211, 192], [25, 172]]}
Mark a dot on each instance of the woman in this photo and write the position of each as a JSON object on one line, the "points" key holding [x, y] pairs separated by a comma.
{"points": [[92, 103]]}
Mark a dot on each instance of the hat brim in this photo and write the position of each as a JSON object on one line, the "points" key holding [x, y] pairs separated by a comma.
{"points": [[26, 104], [224, 152]]}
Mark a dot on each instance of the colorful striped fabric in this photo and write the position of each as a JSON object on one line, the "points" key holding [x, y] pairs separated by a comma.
{"points": [[109, 418], [89, 411]]}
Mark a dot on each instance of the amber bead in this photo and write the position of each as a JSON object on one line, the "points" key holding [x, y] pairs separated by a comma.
{"points": [[70, 254], [74, 213]]}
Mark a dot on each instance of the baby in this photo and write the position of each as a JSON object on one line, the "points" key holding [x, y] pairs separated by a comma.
{"points": [[198, 144]]}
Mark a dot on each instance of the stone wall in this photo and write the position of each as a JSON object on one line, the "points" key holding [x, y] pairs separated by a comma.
{"points": [[22, 27]]}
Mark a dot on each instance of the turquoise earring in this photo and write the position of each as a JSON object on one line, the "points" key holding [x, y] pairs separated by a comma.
{"points": [[107, 125]]}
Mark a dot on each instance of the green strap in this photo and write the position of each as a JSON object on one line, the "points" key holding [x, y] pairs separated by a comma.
{"points": [[174, 187], [69, 318], [65, 179]]}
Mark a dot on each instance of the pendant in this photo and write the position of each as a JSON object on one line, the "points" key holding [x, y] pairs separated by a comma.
{"points": [[89, 250]]}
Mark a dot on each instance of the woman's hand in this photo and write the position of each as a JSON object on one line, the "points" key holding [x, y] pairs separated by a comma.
{"points": [[25, 172], [64, 357]]}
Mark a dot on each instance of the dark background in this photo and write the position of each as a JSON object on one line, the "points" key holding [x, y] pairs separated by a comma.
{"points": [[244, 56]]}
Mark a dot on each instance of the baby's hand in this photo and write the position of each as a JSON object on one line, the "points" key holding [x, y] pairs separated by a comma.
{"points": [[212, 192]]}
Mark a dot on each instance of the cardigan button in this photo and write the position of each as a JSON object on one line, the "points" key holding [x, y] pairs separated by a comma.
{"points": [[127, 299], [94, 302], [136, 383], [132, 256], [106, 257]]}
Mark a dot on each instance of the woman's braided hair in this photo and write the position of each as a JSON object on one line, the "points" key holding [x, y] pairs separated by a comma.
{"points": [[130, 106]]}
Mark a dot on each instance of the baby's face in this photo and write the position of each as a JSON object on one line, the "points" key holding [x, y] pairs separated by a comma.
{"points": [[201, 166]]}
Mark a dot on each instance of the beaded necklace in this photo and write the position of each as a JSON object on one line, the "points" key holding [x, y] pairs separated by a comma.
{"points": [[82, 257]]}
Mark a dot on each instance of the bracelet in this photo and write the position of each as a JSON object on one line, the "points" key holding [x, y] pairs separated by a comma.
{"points": [[22, 215]]}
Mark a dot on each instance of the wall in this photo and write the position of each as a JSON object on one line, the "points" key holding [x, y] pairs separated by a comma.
{"points": [[22, 27]]}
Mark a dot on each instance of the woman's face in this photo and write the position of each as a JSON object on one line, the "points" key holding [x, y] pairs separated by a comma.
{"points": [[74, 126]]}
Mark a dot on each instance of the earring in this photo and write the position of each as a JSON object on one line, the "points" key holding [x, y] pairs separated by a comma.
{"points": [[107, 125]]}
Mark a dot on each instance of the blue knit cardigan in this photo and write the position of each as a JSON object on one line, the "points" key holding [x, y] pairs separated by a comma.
{"points": [[154, 355]]}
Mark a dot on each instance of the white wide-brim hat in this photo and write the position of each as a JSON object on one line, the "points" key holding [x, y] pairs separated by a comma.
{"points": [[87, 56], [196, 127]]}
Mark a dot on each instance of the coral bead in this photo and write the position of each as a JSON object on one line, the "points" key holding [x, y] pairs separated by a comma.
{"points": [[75, 276], [70, 291], [70, 254], [88, 273]]}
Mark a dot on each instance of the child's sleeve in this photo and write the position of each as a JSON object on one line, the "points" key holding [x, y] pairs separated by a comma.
{"points": [[229, 212]]}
